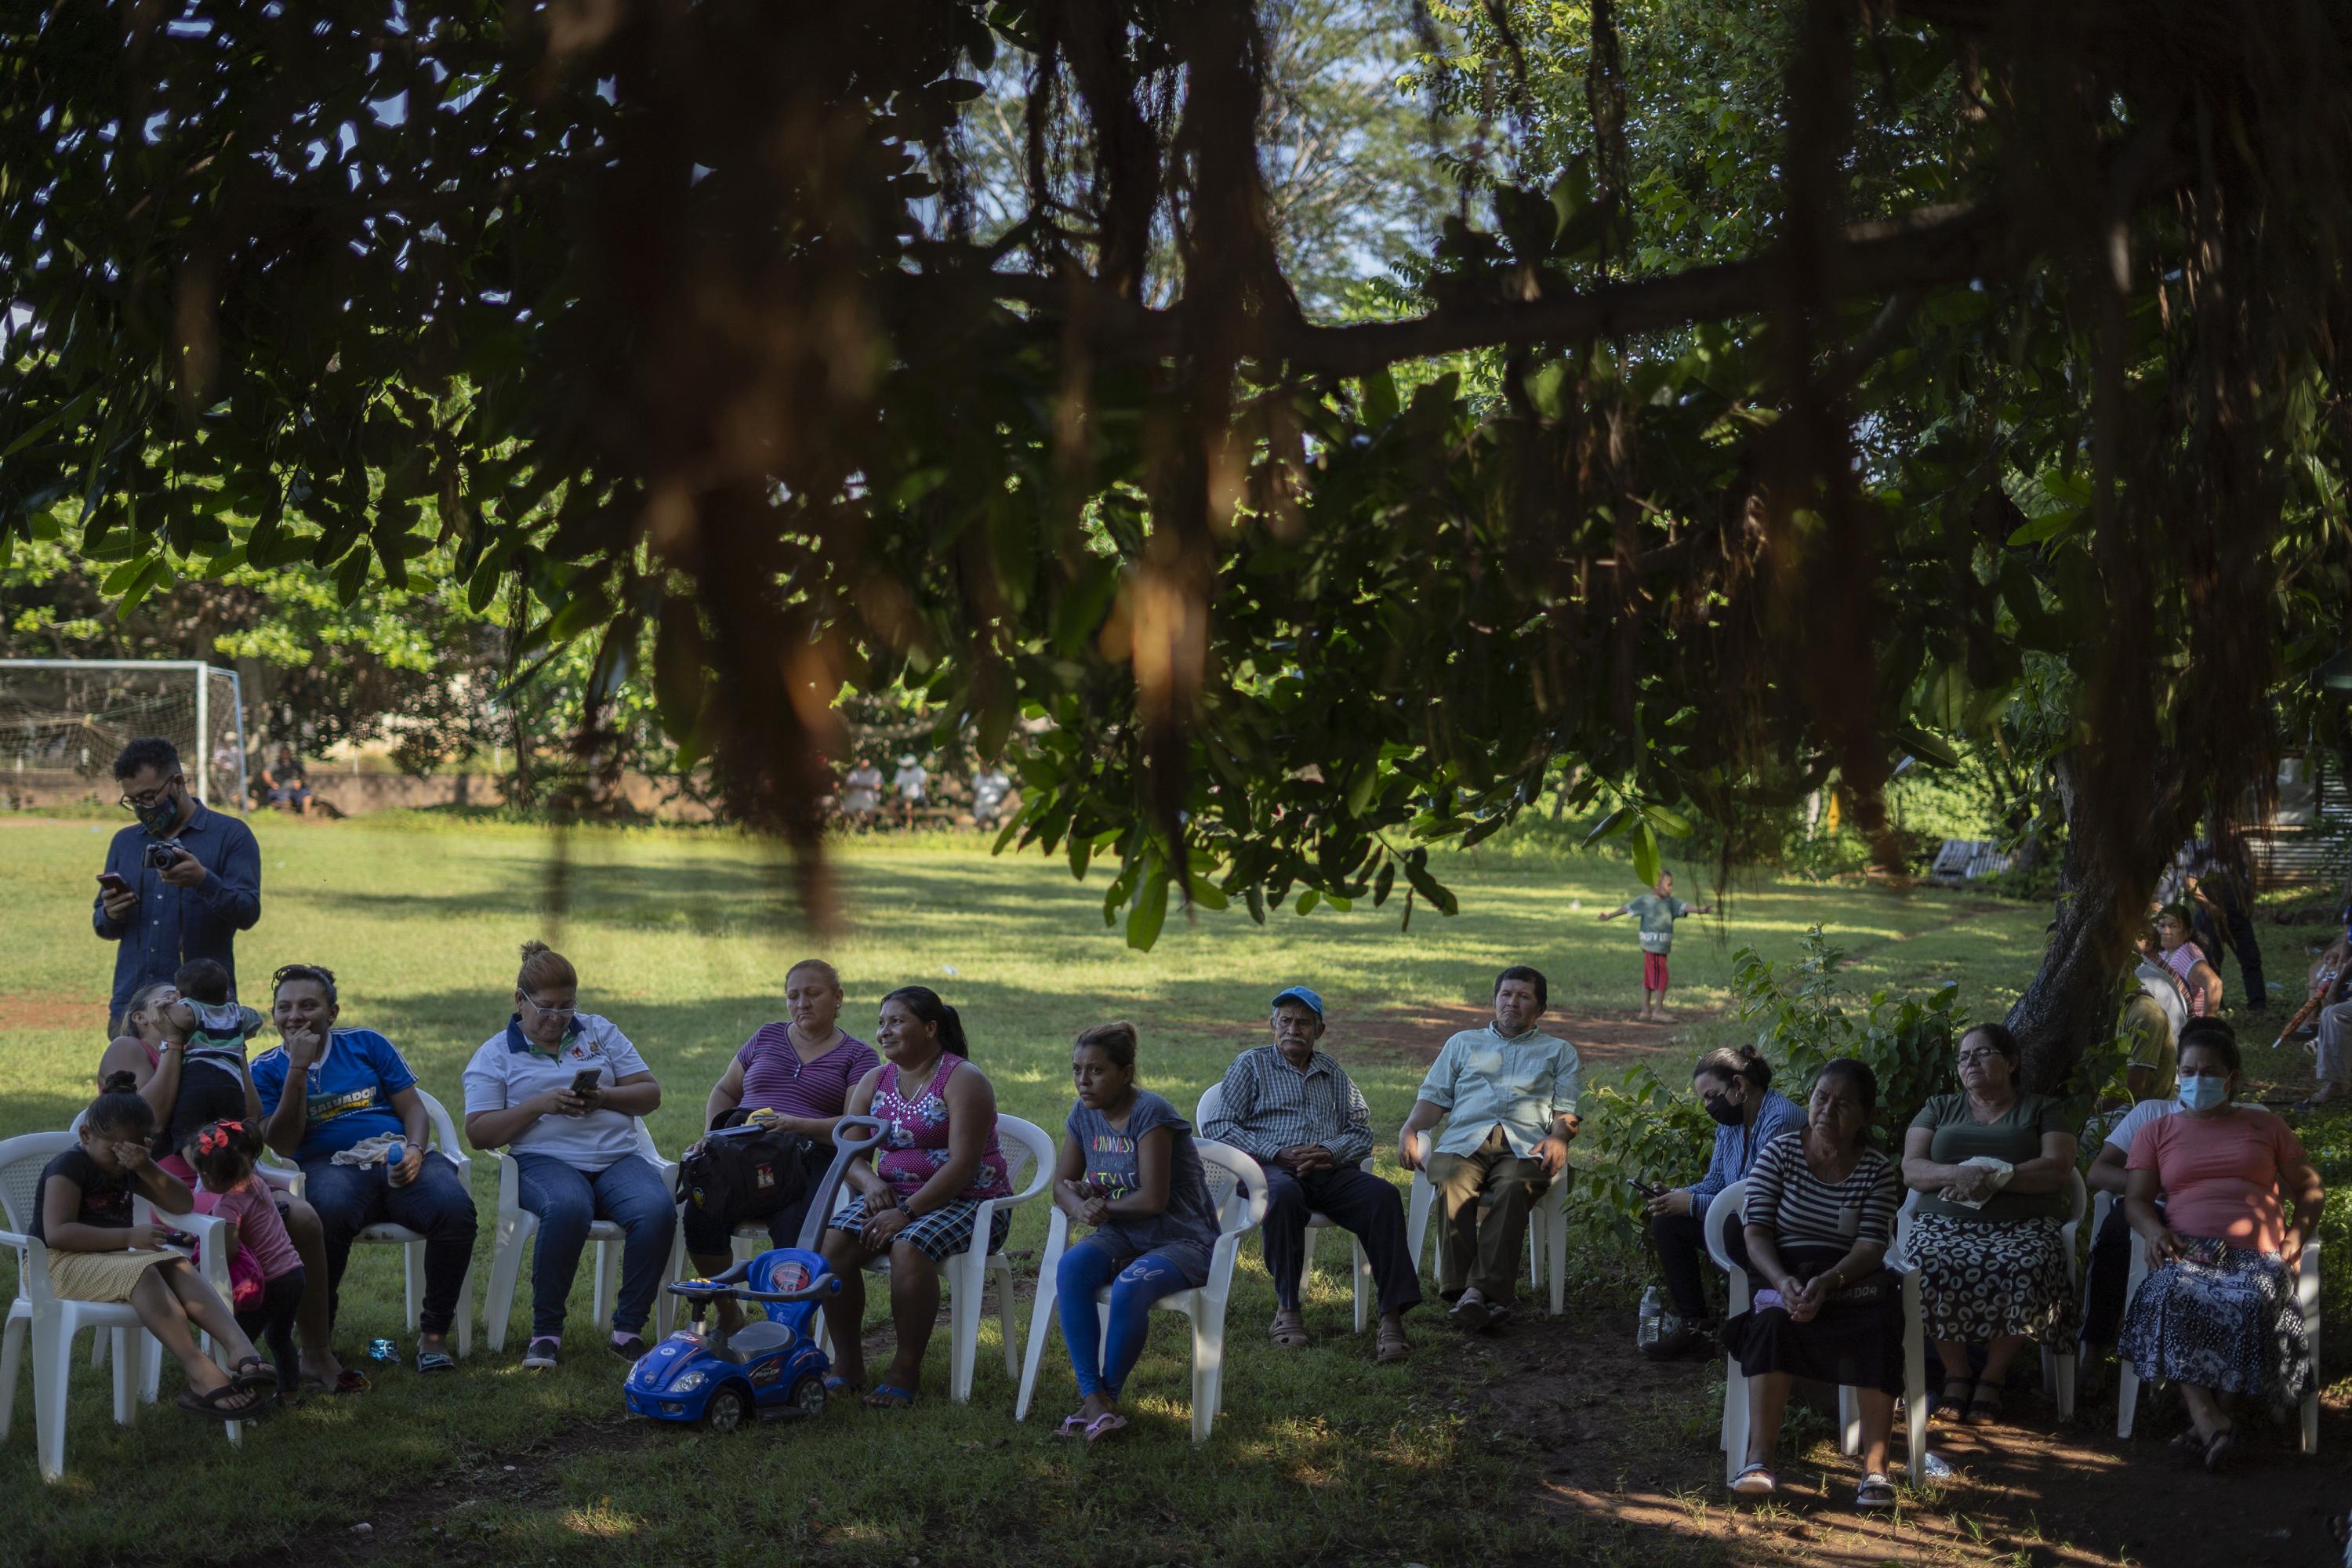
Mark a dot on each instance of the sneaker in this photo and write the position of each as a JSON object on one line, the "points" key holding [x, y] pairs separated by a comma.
{"points": [[1470, 1314], [629, 1347], [540, 1354]]}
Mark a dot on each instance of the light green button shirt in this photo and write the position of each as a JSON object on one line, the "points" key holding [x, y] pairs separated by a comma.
{"points": [[1483, 1080]]}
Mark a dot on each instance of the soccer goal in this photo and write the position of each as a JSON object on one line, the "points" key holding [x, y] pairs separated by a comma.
{"points": [[63, 720]]}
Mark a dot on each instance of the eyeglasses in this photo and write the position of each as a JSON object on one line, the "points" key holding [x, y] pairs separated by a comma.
{"points": [[148, 797], [541, 1008]]}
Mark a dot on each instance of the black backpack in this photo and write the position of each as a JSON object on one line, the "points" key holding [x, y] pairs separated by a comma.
{"points": [[746, 1172]]}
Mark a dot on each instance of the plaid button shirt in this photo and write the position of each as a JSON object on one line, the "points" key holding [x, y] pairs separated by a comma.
{"points": [[1269, 1106]]}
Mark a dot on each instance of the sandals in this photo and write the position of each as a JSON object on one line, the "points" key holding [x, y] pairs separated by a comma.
{"points": [[1984, 1411], [1951, 1407], [215, 1405], [834, 1384], [888, 1396], [1389, 1343], [1876, 1491], [2217, 1449], [1756, 1480], [1075, 1425], [435, 1361], [1289, 1329], [255, 1375]]}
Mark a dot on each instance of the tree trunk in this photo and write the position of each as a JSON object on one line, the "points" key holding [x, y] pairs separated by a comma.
{"points": [[2072, 1003]]}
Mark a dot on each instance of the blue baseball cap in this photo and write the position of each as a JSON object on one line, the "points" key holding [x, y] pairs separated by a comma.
{"points": [[1301, 994]]}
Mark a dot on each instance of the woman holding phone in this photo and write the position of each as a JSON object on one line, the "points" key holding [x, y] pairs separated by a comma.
{"points": [[565, 1089]]}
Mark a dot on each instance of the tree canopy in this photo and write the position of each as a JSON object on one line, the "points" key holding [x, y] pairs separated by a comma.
{"points": [[1788, 387]]}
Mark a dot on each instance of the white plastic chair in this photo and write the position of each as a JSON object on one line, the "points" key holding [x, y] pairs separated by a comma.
{"points": [[37, 1314], [1213, 1104], [1237, 1187], [2057, 1361], [1729, 1210], [1029, 1158], [2307, 1297], [1546, 1225], [517, 1226], [444, 1133]]}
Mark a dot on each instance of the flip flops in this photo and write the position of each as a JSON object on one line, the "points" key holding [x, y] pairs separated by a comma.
{"points": [[215, 1405], [1103, 1424], [888, 1396], [255, 1375], [834, 1384], [1756, 1480], [435, 1361], [1876, 1492]]}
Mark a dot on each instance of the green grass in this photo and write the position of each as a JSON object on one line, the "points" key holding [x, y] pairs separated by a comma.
{"points": [[683, 939]]}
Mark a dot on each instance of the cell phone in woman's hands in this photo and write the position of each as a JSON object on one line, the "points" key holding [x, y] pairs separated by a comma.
{"points": [[167, 1237], [584, 1081]]}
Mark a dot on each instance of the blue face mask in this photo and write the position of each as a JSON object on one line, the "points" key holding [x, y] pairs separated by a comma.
{"points": [[2203, 1092]]}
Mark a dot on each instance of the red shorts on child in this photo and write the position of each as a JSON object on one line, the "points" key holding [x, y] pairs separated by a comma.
{"points": [[1654, 971]]}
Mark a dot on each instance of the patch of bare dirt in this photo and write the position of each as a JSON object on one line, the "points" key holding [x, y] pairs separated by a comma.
{"points": [[52, 1010], [1611, 1431]]}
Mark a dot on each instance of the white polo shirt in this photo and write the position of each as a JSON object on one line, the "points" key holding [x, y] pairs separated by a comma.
{"points": [[507, 1071]]}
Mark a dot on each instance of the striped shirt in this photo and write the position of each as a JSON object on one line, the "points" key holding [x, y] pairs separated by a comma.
{"points": [[1800, 1209], [1269, 1106]]}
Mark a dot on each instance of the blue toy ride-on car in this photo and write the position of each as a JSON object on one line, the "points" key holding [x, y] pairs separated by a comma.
{"points": [[770, 1367]]}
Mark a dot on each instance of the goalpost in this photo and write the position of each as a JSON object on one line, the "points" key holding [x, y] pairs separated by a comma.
{"points": [[63, 720]]}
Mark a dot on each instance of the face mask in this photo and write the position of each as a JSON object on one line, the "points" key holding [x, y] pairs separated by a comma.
{"points": [[1723, 1110], [158, 818], [2203, 1093]]}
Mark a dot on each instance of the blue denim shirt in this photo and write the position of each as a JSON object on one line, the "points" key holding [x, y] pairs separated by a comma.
{"points": [[172, 925], [1735, 1148]]}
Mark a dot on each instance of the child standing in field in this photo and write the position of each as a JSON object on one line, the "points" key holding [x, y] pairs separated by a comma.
{"points": [[1658, 911]]}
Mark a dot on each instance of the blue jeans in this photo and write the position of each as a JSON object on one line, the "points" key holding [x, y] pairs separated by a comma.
{"points": [[632, 1194], [1103, 1361], [435, 1205]]}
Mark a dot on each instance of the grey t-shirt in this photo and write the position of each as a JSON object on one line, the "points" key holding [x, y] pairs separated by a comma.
{"points": [[1111, 1166]]}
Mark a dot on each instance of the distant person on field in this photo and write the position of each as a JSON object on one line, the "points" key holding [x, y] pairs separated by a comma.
{"points": [[861, 795], [1735, 1085], [575, 1150], [989, 788], [2218, 894], [288, 785], [912, 783], [1506, 1094], [1657, 910], [1129, 1169], [207, 888], [1291, 1106], [2187, 962]]}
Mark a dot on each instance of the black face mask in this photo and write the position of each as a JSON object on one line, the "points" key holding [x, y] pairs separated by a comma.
{"points": [[1723, 1110]]}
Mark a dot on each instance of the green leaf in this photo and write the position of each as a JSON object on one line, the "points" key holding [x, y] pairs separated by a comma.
{"points": [[1150, 911], [1416, 871], [1380, 400], [1673, 824], [1930, 749], [1383, 883], [1645, 854], [1607, 825], [1307, 900]]}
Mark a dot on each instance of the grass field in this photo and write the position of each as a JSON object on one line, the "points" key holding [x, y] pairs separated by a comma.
{"points": [[683, 939]]}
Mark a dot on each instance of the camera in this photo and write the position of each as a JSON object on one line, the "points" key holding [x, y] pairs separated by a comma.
{"points": [[159, 856]]}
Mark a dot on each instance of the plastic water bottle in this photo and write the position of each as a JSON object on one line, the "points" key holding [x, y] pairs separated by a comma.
{"points": [[395, 1153], [1650, 1325], [383, 1351]]}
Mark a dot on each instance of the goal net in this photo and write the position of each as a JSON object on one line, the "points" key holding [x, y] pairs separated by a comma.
{"points": [[62, 722]]}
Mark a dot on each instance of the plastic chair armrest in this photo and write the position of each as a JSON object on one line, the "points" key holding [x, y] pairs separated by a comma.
{"points": [[509, 1184]]}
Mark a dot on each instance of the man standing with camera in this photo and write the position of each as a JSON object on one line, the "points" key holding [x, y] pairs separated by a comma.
{"points": [[179, 884]]}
